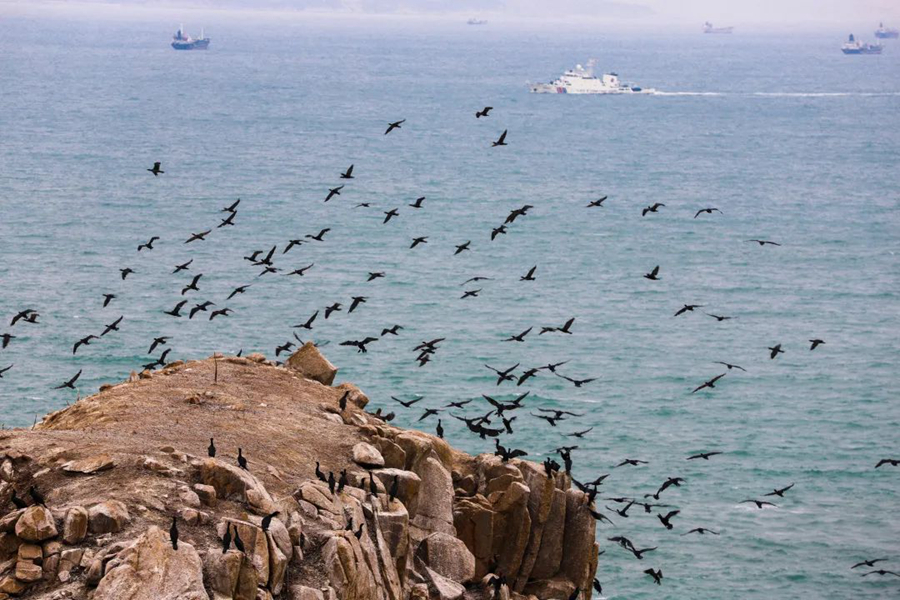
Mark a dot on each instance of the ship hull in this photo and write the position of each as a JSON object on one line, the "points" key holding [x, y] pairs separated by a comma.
{"points": [[861, 51], [887, 35], [194, 45]]}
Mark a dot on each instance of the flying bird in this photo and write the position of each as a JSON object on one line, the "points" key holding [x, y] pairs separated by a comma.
{"points": [[529, 276], [2, 371], [780, 492], [107, 298], [156, 170], [238, 290], [729, 365], [815, 343], [70, 383], [148, 245], [597, 202], [708, 384], [758, 503], [319, 236], [394, 125], [192, 285], [520, 337], [687, 308], [483, 112], [114, 326], [708, 211], [703, 455], [419, 240], [184, 267], [652, 208], [656, 575], [498, 231], [126, 272], [462, 248], [176, 312], [775, 351], [233, 207], [653, 275], [389, 214], [868, 563], [85, 341], [348, 174], [198, 236], [501, 141], [335, 191], [764, 242]]}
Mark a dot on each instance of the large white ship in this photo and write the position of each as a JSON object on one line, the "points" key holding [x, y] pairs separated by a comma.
{"points": [[581, 80]]}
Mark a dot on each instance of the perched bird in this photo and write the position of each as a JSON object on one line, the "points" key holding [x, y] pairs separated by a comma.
{"points": [[529, 276], [764, 242], [173, 533], [654, 274], [501, 141], [652, 208], [156, 170], [868, 563], [36, 496], [336, 191], [418, 202], [226, 540], [775, 351], [242, 460], [574, 595], [687, 308], [319, 474], [394, 125], [703, 455], [184, 267], [656, 575], [665, 520], [439, 429], [708, 211], [238, 543], [780, 492], [708, 384], [70, 383], [595, 203], [348, 174], [815, 343], [148, 245], [395, 487], [483, 112], [267, 520], [373, 489], [211, 449], [17, 502]]}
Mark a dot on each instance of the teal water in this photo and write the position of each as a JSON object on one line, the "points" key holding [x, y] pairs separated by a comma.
{"points": [[793, 141]]}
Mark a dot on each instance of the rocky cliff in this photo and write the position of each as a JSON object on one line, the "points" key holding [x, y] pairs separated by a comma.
{"points": [[405, 517]]}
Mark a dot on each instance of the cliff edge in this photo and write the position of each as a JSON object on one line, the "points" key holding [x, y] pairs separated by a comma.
{"points": [[386, 514]]}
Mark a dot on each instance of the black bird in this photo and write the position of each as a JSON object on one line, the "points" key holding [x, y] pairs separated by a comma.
{"points": [[342, 401], [418, 202], [233, 207], [687, 308], [598, 202], [36, 496], [363, 205], [211, 449], [764, 242], [483, 112], [718, 318], [286, 347], [373, 489], [507, 454], [676, 481], [597, 586], [114, 326], [373, 275], [880, 572], [580, 434], [70, 383], [394, 125], [815, 343], [126, 272], [336, 191], [775, 351], [360, 344], [238, 290], [107, 298], [520, 337], [319, 473], [348, 174], [267, 520], [291, 244], [633, 462], [342, 481], [529, 276], [701, 531], [253, 257], [519, 212], [429, 412], [176, 312], [599, 516], [302, 272], [395, 487], [319, 237], [501, 141], [780, 492], [149, 244], [309, 322], [504, 375], [418, 240], [5, 338], [391, 330], [2, 371], [409, 403], [18, 502], [566, 328], [709, 384], [238, 543], [226, 541], [653, 275], [173, 533], [462, 247], [497, 231], [198, 236], [758, 503], [639, 554], [574, 595], [184, 267], [703, 455], [576, 382], [156, 169], [439, 429], [458, 403], [222, 312], [708, 211], [336, 307], [161, 361], [242, 461], [526, 376], [665, 520], [85, 341], [228, 221], [622, 512], [389, 214], [358, 533], [868, 563], [656, 575], [888, 461], [357, 300], [729, 365], [21, 315], [32, 318], [200, 308], [476, 279], [652, 208], [553, 366]]}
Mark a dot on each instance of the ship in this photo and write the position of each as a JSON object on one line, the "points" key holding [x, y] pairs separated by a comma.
{"points": [[181, 41], [581, 80], [476, 22], [886, 33], [853, 46], [708, 28]]}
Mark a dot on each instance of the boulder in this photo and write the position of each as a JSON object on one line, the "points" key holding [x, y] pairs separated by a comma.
{"points": [[394, 456], [367, 455], [108, 517], [558, 588], [75, 525], [434, 511], [30, 553], [151, 569], [28, 571], [549, 555], [229, 481], [447, 556], [439, 587], [222, 572], [356, 396], [301, 592], [9, 545], [347, 570], [91, 464], [36, 524], [206, 493], [512, 528], [256, 545], [578, 541], [9, 520], [474, 521], [12, 586], [408, 486], [311, 364]]}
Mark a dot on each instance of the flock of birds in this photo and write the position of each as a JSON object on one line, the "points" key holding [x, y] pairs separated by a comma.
{"points": [[498, 418]]}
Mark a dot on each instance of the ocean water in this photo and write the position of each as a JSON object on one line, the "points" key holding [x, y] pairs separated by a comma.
{"points": [[793, 141]]}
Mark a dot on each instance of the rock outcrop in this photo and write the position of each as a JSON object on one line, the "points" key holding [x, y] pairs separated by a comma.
{"points": [[274, 529]]}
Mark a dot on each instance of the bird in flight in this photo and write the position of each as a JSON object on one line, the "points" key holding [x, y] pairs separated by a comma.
{"points": [[780, 492], [2, 371], [701, 531], [238, 290], [223, 312], [419, 240], [703, 455], [764, 242], [336, 307], [233, 207], [529, 276], [868, 563], [114, 326], [483, 112], [25, 314], [394, 125], [708, 211], [360, 344], [70, 383], [718, 318], [665, 519], [126, 272], [156, 170], [107, 298], [729, 365], [192, 285], [564, 329], [775, 351], [228, 221], [498, 231], [688, 308], [200, 308], [176, 312], [656, 575], [576, 382], [160, 341], [357, 300], [758, 503], [880, 572], [389, 214], [198, 236], [462, 248], [409, 403], [418, 202], [598, 202], [184, 267], [301, 272], [894, 462], [319, 237], [815, 343], [708, 384], [336, 191], [504, 375], [85, 341], [348, 174], [149, 244], [309, 322], [652, 208], [501, 141], [654, 274], [470, 294], [520, 337], [5, 338]]}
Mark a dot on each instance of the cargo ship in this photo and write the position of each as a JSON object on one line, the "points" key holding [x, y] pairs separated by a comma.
{"points": [[181, 41], [853, 46], [708, 28], [886, 33]]}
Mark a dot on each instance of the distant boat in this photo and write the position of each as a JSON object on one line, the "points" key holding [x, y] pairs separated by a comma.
{"points": [[853, 46], [886, 33], [708, 28], [581, 80], [476, 22], [180, 41]]}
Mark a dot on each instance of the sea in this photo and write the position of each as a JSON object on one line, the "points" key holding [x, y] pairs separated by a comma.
{"points": [[791, 140]]}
